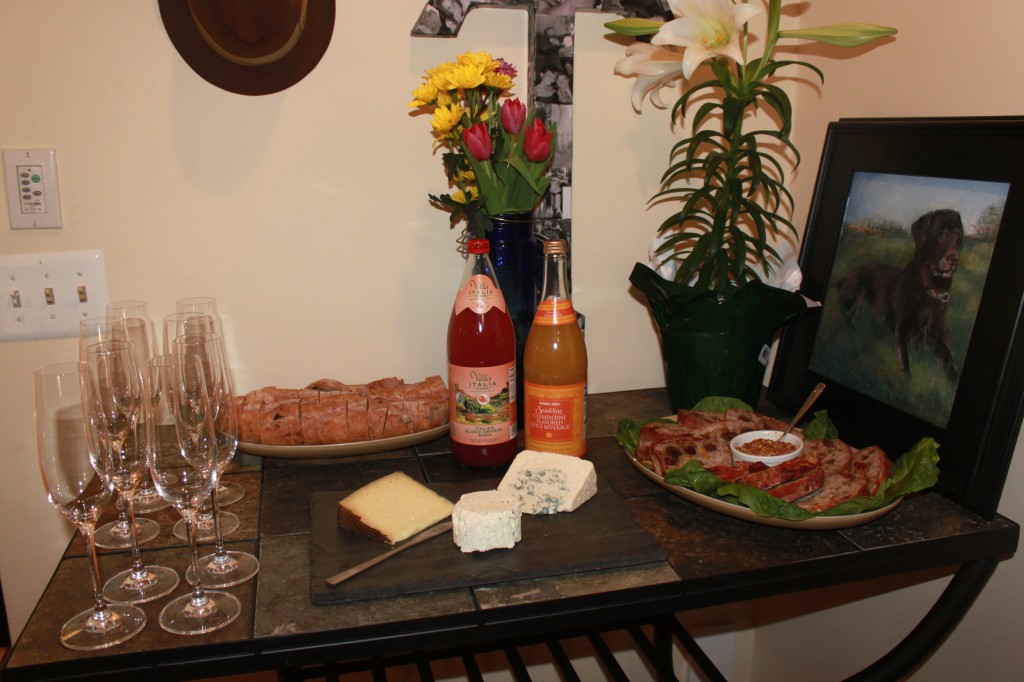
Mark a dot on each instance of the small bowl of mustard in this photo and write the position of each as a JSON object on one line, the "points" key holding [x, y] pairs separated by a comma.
{"points": [[766, 447]]}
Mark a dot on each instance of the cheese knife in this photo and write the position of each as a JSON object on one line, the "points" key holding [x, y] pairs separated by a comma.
{"points": [[370, 563]]}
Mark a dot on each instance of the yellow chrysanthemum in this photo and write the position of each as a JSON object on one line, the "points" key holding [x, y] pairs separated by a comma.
{"points": [[445, 98], [499, 81], [481, 60], [446, 119], [466, 76], [424, 95]]}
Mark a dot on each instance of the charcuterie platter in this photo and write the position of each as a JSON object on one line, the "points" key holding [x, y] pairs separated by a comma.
{"points": [[829, 485], [746, 514]]}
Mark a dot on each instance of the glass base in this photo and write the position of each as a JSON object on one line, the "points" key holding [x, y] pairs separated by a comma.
{"points": [[184, 616], [158, 581], [229, 493], [230, 569], [114, 535], [205, 532], [148, 500], [88, 630]]}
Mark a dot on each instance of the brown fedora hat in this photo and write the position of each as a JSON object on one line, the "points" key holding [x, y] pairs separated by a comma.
{"points": [[252, 47]]}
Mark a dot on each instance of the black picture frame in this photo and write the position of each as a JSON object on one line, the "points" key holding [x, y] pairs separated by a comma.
{"points": [[977, 443]]}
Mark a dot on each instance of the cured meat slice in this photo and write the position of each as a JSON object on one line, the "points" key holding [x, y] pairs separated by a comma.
{"points": [[794, 490], [872, 466], [730, 474], [787, 471]]}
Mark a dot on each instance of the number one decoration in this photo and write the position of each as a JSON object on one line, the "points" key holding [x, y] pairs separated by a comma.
{"points": [[549, 75]]}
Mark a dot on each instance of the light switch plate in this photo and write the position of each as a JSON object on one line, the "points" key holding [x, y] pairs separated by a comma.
{"points": [[33, 198], [45, 295]]}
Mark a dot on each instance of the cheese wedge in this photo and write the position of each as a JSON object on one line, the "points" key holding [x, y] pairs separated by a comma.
{"points": [[486, 520], [392, 508], [547, 483]]}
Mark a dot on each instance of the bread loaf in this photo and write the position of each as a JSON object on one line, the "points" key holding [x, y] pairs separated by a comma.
{"points": [[328, 411]]}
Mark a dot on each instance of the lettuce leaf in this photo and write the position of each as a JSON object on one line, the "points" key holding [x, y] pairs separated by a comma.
{"points": [[720, 404]]}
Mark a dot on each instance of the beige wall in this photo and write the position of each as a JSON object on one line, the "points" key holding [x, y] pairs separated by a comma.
{"points": [[305, 214]]}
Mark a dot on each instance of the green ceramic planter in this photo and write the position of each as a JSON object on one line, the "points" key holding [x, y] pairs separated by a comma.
{"points": [[711, 343]]}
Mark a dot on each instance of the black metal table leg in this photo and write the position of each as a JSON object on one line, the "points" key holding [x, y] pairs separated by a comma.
{"points": [[936, 625]]}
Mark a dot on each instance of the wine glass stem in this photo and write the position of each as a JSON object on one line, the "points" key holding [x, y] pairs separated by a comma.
{"points": [[100, 610], [198, 595], [138, 568], [218, 547], [122, 512]]}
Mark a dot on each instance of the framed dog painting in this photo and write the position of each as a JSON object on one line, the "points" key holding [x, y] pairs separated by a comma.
{"points": [[911, 247]]}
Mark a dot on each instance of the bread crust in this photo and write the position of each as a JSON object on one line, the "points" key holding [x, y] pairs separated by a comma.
{"points": [[328, 411]]}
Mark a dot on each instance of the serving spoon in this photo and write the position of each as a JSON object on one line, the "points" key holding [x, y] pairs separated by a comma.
{"points": [[803, 409]]}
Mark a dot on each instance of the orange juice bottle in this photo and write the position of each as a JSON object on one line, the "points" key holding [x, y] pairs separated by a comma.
{"points": [[555, 366]]}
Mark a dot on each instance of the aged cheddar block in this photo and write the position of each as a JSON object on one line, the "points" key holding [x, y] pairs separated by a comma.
{"points": [[392, 508], [547, 483]]}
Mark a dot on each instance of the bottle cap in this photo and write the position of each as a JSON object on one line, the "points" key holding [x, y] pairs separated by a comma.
{"points": [[554, 246], [478, 246]]}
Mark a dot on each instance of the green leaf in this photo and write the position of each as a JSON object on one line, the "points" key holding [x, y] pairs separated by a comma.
{"points": [[721, 404], [820, 427], [635, 26]]}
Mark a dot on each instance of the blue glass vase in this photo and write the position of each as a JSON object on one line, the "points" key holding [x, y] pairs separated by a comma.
{"points": [[515, 255]]}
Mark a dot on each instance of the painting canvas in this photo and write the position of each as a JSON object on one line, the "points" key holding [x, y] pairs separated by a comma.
{"points": [[910, 266]]}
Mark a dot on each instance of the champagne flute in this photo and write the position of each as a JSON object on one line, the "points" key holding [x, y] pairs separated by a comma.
{"points": [[212, 523], [228, 492], [115, 534], [222, 568], [206, 305], [139, 332], [113, 393], [77, 488], [182, 323], [182, 448]]}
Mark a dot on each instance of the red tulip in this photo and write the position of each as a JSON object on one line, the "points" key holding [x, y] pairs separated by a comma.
{"points": [[537, 141], [478, 141], [513, 114]]}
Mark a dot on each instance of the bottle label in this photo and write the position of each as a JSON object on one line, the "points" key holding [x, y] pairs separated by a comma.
{"points": [[479, 295], [556, 418], [482, 403], [555, 311]]}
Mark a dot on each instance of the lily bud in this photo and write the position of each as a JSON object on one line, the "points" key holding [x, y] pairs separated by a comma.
{"points": [[537, 141], [513, 115], [478, 141], [848, 34]]}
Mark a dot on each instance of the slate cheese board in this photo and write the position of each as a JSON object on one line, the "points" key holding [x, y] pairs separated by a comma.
{"points": [[601, 534]]}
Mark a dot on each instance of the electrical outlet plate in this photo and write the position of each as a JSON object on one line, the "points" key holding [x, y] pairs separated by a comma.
{"points": [[45, 295]]}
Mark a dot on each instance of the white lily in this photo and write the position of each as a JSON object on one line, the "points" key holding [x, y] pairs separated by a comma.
{"points": [[705, 28], [654, 67]]}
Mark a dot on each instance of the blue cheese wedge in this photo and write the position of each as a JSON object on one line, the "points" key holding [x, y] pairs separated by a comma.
{"points": [[486, 520], [392, 508], [548, 483]]}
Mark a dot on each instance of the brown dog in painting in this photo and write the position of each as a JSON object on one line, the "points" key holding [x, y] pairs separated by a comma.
{"points": [[913, 301]]}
